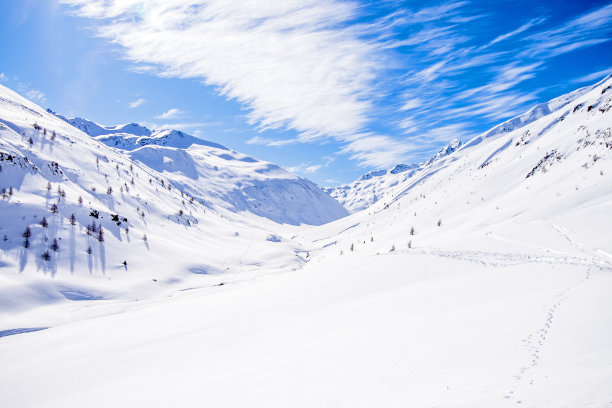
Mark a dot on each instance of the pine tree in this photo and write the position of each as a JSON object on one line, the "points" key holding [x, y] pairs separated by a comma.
{"points": [[46, 256], [409, 244], [352, 247], [10, 191], [44, 223], [100, 235], [27, 233], [144, 237], [53, 135], [30, 141], [439, 222], [89, 251], [55, 245], [53, 208], [109, 190], [411, 230], [49, 186], [392, 248], [80, 200], [72, 219]]}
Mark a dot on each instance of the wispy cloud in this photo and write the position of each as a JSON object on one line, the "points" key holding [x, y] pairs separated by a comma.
{"points": [[138, 102], [170, 114], [595, 76], [3, 77], [305, 168], [322, 69], [591, 28], [315, 68], [258, 140], [36, 96], [519, 30]]}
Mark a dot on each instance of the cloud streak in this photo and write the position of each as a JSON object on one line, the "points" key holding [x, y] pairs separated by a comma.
{"points": [[314, 67], [295, 64], [137, 103], [170, 114]]}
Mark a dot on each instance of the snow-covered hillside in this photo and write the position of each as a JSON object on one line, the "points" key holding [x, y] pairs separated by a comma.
{"points": [[218, 176], [479, 279], [95, 129], [372, 186]]}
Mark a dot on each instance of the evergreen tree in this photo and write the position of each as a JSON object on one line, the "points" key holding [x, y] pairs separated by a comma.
{"points": [[100, 235], [55, 245], [72, 219], [44, 223]]}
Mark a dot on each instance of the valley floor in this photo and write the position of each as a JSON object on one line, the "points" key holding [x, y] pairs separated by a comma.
{"points": [[421, 327]]}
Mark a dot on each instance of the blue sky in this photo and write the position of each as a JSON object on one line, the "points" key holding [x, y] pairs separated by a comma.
{"points": [[327, 88]]}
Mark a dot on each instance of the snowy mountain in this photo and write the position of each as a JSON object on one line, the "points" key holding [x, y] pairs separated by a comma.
{"points": [[94, 129], [479, 279], [376, 185], [214, 174], [372, 186]]}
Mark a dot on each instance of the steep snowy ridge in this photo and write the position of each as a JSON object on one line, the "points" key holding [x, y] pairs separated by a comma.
{"points": [[373, 186]]}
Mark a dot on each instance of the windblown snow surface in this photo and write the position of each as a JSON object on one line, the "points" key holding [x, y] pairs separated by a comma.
{"points": [[483, 279]]}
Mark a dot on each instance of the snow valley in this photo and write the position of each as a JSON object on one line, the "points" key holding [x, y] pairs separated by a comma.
{"points": [[153, 268]]}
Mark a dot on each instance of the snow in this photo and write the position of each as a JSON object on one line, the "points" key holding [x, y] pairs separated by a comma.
{"points": [[505, 303]]}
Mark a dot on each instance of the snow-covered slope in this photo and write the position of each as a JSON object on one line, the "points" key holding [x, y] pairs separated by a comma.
{"points": [[95, 129], [372, 186], [483, 280], [218, 176]]}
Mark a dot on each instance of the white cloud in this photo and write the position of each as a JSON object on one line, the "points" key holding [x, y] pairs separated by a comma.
{"points": [[295, 64], [373, 150], [3, 77], [35, 96], [519, 30], [257, 140], [576, 33], [137, 103], [305, 168], [595, 76], [170, 114]]}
